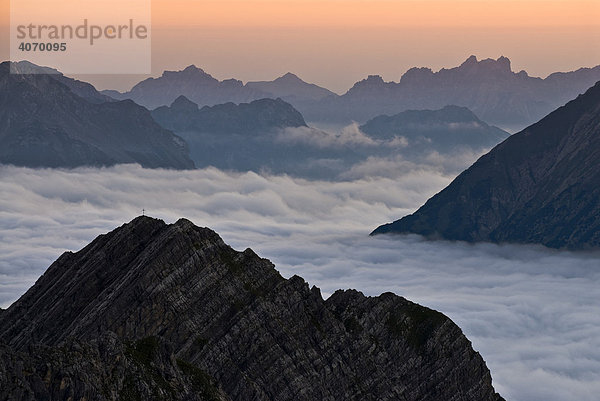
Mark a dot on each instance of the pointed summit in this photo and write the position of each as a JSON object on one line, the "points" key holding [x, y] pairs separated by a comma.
{"points": [[184, 104], [289, 77]]}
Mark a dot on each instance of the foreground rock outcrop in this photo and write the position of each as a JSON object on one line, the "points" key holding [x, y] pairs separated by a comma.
{"points": [[157, 311], [539, 186]]}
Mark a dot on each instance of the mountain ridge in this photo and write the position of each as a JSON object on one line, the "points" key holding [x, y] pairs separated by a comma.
{"points": [[231, 316], [488, 87], [538, 186]]}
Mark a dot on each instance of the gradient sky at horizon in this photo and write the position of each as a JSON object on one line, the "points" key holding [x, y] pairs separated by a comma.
{"points": [[335, 43]]}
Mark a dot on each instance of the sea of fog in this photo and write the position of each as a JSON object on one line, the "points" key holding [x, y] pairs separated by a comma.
{"points": [[533, 313]]}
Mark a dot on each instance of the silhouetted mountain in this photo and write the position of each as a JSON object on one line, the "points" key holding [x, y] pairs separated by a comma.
{"points": [[541, 185], [240, 137], [255, 117], [156, 311], [488, 87], [194, 84], [291, 89], [436, 130], [204, 90], [44, 122]]}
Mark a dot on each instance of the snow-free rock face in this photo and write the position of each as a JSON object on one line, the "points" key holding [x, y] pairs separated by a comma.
{"points": [[182, 308], [540, 186]]}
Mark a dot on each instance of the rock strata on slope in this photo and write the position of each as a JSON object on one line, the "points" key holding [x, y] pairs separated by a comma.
{"points": [[230, 315]]}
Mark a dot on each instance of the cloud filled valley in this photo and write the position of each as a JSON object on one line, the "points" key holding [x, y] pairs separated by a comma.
{"points": [[531, 312]]}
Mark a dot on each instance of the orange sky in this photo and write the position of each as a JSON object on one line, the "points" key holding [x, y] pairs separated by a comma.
{"points": [[337, 42], [380, 13]]}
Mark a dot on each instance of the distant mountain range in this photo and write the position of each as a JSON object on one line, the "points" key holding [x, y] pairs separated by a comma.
{"points": [[49, 120], [152, 311], [488, 87], [540, 186], [271, 135], [204, 90]]}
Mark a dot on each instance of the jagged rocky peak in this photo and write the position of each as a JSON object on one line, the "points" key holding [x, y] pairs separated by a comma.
{"points": [[417, 75], [501, 64], [373, 84], [169, 306], [539, 186], [373, 80]]}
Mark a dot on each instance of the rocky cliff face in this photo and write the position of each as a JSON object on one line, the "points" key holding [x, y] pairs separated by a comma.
{"points": [[541, 185], [48, 120], [178, 308], [105, 368]]}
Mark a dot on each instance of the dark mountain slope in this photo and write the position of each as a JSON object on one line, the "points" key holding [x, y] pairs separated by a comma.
{"points": [[232, 316], [43, 123], [541, 185]]}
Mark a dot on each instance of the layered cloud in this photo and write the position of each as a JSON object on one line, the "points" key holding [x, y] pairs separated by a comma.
{"points": [[348, 135], [530, 311]]}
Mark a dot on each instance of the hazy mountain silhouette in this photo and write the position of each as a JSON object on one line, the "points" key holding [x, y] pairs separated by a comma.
{"points": [[541, 185], [441, 130], [48, 120], [271, 135], [204, 90], [488, 87], [292, 89], [229, 118], [157, 311], [80, 88]]}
